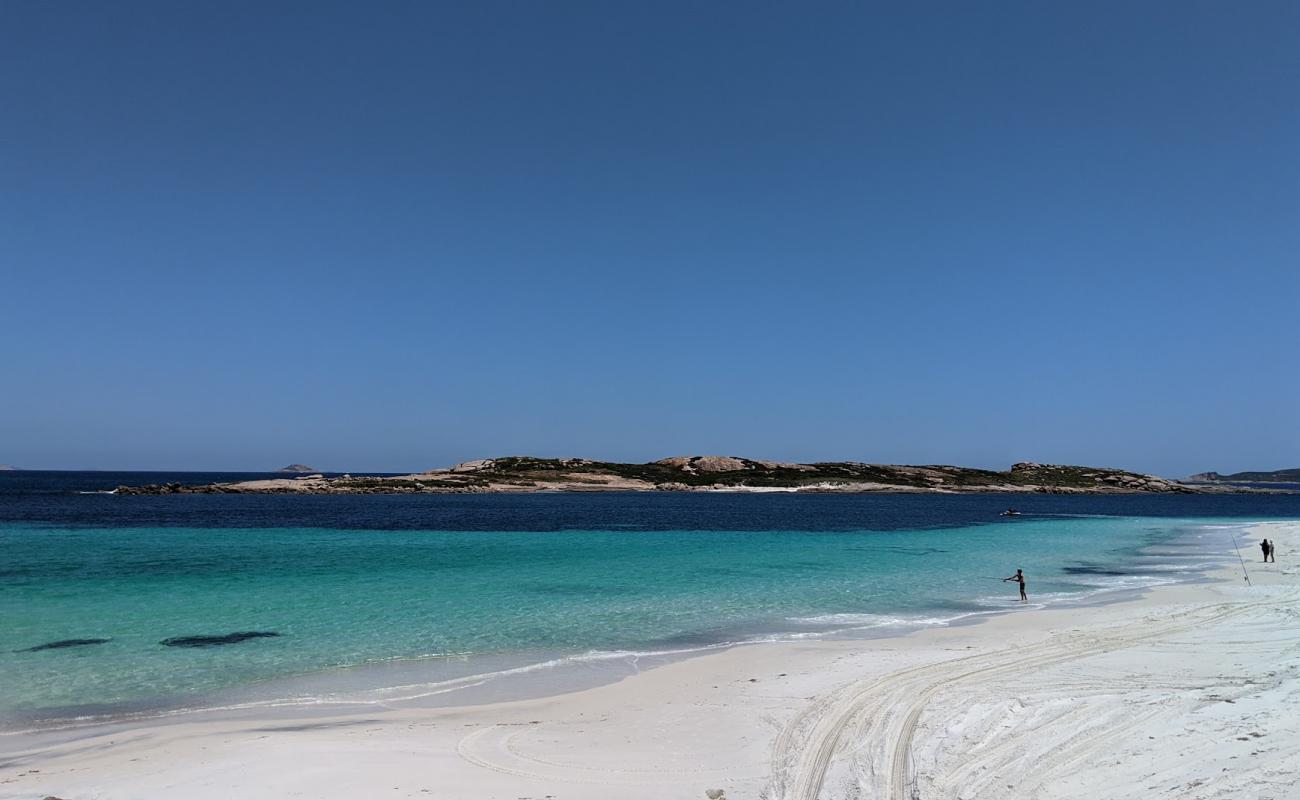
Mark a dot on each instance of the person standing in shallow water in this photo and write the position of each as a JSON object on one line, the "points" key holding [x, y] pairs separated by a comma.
{"points": [[1019, 578], [1263, 545], [1272, 551]]}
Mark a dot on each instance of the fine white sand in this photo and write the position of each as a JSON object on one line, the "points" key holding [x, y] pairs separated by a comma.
{"points": [[1190, 691]]}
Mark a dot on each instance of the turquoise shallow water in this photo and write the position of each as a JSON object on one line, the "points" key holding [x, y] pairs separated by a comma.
{"points": [[341, 598]]}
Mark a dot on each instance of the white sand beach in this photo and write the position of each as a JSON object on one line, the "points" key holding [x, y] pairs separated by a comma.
{"points": [[1189, 691]]}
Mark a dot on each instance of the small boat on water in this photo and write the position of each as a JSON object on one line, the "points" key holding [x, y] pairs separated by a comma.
{"points": [[1010, 512]]}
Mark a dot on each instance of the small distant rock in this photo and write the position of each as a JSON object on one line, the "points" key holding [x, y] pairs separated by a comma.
{"points": [[297, 469], [714, 794]]}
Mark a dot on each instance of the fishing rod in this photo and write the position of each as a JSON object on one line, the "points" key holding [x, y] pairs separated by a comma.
{"points": [[1239, 558]]}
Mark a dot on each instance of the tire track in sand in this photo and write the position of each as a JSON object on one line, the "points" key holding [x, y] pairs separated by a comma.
{"points": [[878, 717]]}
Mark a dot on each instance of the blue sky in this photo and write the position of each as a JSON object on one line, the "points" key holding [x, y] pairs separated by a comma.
{"points": [[393, 236]]}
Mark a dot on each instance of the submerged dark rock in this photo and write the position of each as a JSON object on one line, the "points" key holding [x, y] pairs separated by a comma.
{"points": [[62, 643], [212, 641], [1088, 569]]}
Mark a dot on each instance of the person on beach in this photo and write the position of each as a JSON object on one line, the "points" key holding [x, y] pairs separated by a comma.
{"points": [[1263, 545], [1272, 551], [1019, 578]]}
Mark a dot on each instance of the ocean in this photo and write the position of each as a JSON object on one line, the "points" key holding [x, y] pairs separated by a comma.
{"points": [[387, 599]]}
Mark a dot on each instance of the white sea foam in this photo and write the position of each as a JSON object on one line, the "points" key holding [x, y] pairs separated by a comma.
{"points": [[1102, 584], [842, 624], [1197, 567], [1120, 582], [870, 620]]}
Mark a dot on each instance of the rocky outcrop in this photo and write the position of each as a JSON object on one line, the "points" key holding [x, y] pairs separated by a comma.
{"points": [[297, 469], [477, 465], [705, 463], [1059, 477], [179, 488], [700, 464]]}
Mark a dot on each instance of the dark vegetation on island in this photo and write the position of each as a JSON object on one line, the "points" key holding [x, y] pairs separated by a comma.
{"points": [[698, 472], [708, 473]]}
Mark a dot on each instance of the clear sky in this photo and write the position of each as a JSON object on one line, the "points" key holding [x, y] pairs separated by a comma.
{"points": [[392, 236]]}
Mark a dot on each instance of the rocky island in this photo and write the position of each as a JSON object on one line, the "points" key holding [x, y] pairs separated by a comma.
{"points": [[1274, 476], [297, 469], [705, 474]]}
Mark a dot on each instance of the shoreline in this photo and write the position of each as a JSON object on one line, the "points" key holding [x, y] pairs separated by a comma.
{"points": [[740, 718], [492, 677]]}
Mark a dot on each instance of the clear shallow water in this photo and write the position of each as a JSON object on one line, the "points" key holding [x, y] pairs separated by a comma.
{"points": [[600, 576]]}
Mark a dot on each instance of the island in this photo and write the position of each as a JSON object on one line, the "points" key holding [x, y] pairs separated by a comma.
{"points": [[707, 474], [1275, 476], [297, 469]]}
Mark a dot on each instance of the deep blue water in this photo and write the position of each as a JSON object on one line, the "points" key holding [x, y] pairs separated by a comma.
{"points": [[52, 497]]}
